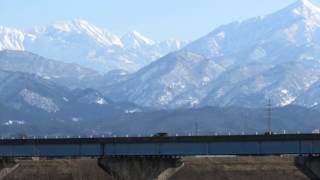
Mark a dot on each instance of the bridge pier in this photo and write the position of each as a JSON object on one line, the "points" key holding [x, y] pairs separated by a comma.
{"points": [[140, 168], [7, 165], [310, 165]]}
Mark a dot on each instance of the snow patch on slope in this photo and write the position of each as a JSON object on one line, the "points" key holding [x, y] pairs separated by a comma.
{"points": [[101, 101], [13, 122], [11, 38], [41, 102]]}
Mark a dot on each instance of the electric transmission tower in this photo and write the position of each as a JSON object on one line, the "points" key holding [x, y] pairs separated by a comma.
{"points": [[269, 117]]}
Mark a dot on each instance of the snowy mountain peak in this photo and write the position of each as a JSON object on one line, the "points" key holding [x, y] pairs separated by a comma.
{"points": [[139, 36], [135, 39], [11, 38], [80, 42], [174, 42], [306, 3], [304, 8], [76, 24], [79, 26]]}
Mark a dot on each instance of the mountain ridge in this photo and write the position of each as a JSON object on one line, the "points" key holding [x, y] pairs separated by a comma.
{"points": [[78, 41], [265, 56]]}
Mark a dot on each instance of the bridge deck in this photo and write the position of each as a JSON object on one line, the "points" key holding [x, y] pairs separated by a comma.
{"points": [[164, 146]]}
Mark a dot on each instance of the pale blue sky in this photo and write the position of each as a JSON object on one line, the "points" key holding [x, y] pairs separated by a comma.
{"points": [[159, 19]]}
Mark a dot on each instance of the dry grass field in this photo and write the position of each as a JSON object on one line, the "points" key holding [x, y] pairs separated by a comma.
{"points": [[75, 169], [201, 168], [240, 168]]}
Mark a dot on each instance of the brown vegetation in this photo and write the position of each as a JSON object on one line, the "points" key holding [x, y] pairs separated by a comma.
{"points": [[200, 168], [240, 168], [76, 169]]}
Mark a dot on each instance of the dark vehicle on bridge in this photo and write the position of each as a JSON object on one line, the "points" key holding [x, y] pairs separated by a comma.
{"points": [[161, 134]]}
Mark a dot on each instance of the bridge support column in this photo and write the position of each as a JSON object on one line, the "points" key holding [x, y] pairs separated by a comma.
{"points": [[141, 168], [7, 165], [309, 166]]}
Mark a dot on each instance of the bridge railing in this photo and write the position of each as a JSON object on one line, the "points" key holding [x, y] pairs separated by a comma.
{"points": [[180, 133]]}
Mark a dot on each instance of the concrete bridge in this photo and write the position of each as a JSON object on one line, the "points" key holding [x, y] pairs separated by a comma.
{"points": [[158, 157]]}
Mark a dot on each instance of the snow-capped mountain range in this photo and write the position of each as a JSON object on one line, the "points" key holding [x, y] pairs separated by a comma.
{"points": [[82, 43], [50, 81], [245, 63], [239, 64]]}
